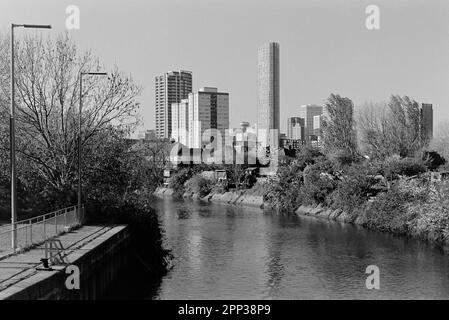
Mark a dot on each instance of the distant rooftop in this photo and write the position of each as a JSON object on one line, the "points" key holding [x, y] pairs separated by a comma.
{"points": [[208, 89]]}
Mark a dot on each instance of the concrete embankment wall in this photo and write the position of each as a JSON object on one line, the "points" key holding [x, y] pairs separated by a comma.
{"points": [[241, 198], [244, 199], [100, 261]]}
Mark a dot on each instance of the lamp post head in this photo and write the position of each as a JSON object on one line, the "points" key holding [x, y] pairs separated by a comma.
{"points": [[37, 26], [94, 73]]}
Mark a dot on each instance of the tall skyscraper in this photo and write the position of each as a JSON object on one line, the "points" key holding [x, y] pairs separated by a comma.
{"points": [[171, 87], [208, 109], [295, 128], [426, 122], [308, 112], [268, 87]]}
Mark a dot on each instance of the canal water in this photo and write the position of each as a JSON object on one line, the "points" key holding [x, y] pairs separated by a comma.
{"points": [[226, 252]]}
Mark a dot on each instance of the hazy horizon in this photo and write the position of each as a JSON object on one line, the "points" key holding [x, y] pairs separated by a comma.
{"points": [[324, 47]]}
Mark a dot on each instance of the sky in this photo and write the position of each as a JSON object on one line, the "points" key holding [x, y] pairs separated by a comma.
{"points": [[325, 47]]}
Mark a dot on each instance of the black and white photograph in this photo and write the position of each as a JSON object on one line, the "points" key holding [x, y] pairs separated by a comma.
{"points": [[221, 155]]}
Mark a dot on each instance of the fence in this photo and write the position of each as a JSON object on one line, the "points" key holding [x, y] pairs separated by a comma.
{"points": [[40, 228]]}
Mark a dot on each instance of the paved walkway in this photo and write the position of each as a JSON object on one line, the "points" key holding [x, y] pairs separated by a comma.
{"points": [[17, 268]]}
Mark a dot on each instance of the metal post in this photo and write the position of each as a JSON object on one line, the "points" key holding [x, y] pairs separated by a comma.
{"points": [[45, 231], [13, 137], [79, 140], [13, 152], [31, 232]]}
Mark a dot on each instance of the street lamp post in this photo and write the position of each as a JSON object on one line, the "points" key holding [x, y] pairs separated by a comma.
{"points": [[80, 130], [13, 136]]}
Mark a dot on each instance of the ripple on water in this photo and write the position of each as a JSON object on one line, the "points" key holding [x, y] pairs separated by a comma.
{"points": [[225, 252]]}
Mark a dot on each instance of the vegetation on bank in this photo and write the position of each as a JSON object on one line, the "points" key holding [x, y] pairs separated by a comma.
{"points": [[200, 179], [118, 176], [382, 183]]}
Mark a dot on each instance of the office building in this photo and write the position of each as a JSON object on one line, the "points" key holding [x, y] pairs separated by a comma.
{"points": [[207, 109], [180, 121], [170, 88], [268, 88], [295, 128], [426, 122], [317, 120], [308, 112], [150, 135]]}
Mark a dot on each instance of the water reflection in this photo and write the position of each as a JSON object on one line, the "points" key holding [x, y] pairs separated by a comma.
{"points": [[224, 252]]}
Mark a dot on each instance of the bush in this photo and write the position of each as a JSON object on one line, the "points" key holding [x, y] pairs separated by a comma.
{"points": [[319, 183], [395, 166], [308, 156], [433, 160], [199, 185], [178, 180], [341, 158], [144, 227], [354, 188], [432, 222], [390, 211], [432, 216], [282, 192]]}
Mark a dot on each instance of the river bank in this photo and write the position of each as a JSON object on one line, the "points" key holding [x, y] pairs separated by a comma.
{"points": [[241, 198], [249, 198]]}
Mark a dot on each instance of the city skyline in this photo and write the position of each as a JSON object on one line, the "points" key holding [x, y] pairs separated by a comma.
{"points": [[407, 56]]}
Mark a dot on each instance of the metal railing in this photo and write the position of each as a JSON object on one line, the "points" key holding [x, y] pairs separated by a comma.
{"points": [[38, 229]]}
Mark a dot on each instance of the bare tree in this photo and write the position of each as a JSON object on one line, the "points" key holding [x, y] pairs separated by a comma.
{"points": [[390, 128], [47, 92]]}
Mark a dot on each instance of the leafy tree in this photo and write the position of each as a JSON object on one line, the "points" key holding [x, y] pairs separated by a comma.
{"points": [[338, 125]]}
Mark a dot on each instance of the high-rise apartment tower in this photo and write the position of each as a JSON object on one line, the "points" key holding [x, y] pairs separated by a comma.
{"points": [[170, 87]]}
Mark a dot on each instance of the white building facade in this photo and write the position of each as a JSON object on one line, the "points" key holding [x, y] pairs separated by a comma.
{"points": [[180, 121], [195, 119]]}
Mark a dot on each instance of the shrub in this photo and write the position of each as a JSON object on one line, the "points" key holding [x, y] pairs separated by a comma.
{"points": [[433, 159], [390, 211], [308, 156], [178, 180], [432, 216], [395, 166], [282, 192], [319, 183], [432, 222], [354, 188], [199, 185], [341, 158]]}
